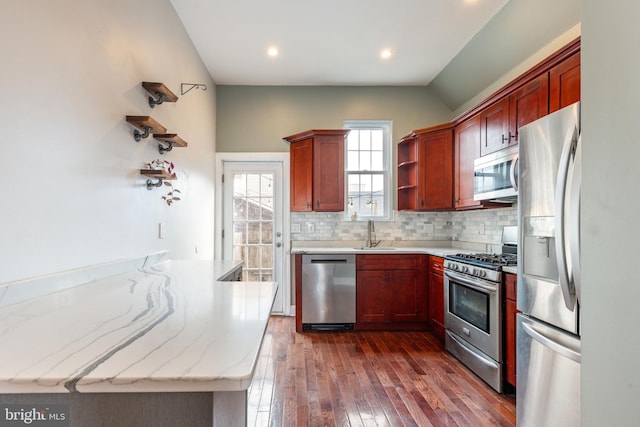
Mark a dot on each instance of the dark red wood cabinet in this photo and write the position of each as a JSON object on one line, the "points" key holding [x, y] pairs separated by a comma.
{"points": [[466, 150], [317, 170], [436, 295], [564, 83], [510, 284], [501, 120], [435, 169], [391, 292]]}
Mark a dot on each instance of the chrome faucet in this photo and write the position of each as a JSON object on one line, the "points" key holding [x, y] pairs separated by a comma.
{"points": [[371, 234]]}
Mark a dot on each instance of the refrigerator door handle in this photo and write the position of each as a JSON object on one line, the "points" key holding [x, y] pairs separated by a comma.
{"points": [[512, 173], [568, 292], [551, 344], [574, 214]]}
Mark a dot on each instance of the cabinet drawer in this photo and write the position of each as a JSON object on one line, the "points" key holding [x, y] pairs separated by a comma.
{"points": [[391, 262], [436, 264], [511, 286]]}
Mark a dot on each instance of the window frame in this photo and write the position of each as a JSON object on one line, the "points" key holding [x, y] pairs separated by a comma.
{"points": [[387, 173]]}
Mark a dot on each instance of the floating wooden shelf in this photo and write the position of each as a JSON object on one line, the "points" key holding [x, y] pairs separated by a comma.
{"points": [[145, 124], [171, 140], [159, 93], [157, 173], [160, 175]]}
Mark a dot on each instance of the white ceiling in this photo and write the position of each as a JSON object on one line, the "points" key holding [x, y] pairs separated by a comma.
{"points": [[331, 42]]}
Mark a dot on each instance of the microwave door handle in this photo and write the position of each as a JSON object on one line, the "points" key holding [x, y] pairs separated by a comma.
{"points": [[561, 191], [574, 215], [512, 173]]}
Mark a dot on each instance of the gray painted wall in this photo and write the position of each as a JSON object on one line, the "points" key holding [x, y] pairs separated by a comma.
{"points": [[610, 206], [256, 118]]}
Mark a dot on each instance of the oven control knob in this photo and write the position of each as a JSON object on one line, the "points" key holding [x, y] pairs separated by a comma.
{"points": [[465, 269], [483, 274], [476, 272]]}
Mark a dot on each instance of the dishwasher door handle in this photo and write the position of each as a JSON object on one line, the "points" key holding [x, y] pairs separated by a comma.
{"points": [[329, 261]]}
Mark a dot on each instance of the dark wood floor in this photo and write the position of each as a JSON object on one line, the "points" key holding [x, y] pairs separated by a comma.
{"points": [[367, 379]]}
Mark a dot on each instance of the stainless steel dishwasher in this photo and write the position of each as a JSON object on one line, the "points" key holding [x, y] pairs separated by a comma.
{"points": [[328, 292]]}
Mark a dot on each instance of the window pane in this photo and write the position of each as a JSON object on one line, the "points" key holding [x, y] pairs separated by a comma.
{"points": [[352, 140], [267, 232], [377, 161], [377, 137], [377, 183], [266, 185], [353, 184], [254, 232], [239, 233], [267, 256], [365, 161], [365, 139], [352, 160]]}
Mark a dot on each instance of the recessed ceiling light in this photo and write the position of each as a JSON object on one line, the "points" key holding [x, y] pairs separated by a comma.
{"points": [[273, 51], [386, 53]]}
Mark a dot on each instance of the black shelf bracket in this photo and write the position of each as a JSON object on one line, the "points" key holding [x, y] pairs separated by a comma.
{"points": [[151, 185], [137, 135], [162, 149], [153, 102]]}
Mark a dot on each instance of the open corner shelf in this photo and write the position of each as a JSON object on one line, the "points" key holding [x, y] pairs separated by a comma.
{"points": [[159, 93]]}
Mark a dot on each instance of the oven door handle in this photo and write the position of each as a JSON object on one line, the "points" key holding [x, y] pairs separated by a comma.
{"points": [[471, 283]]}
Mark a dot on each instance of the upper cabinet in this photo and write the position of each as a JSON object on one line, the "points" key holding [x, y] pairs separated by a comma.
{"points": [[502, 119], [423, 156], [564, 83], [425, 170], [317, 170], [467, 149]]}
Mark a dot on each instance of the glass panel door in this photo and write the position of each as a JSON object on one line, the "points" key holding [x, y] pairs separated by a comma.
{"points": [[252, 224], [253, 221]]}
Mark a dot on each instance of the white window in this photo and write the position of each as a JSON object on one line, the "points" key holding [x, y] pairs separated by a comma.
{"points": [[368, 165]]}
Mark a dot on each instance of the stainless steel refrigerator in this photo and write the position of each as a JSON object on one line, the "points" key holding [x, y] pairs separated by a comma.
{"points": [[548, 325]]}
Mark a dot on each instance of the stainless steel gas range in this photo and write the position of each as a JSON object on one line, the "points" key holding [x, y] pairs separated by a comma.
{"points": [[473, 312]]}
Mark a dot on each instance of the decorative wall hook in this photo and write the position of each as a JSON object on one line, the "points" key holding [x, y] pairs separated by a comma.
{"points": [[191, 86]]}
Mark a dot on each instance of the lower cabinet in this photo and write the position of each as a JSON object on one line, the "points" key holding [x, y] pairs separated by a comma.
{"points": [[436, 296], [391, 292], [510, 311]]}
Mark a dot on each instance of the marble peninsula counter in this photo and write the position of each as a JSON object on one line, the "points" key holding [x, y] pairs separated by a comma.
{"points": [[168, 335]]}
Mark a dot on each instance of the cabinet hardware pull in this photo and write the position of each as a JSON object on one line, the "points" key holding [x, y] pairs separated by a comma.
{"points": [[308, 204], [317, 203], [505, 139]]}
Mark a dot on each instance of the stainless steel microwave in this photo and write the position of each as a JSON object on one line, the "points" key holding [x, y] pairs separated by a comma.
{"points": [[496, 176]]}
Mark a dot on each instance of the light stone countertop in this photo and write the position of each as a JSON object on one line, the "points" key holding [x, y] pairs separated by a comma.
{"points": [[437, 251], [169, 327]]}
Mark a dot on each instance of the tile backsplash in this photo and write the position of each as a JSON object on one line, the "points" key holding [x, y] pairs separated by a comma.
{"points": [[478, 226]]}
